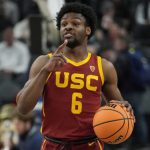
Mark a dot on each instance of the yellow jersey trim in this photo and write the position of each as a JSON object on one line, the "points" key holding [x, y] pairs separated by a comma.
{"points": [[49, 55], [48, 78], [81, 62], [43, 145], [100, 68], [100, 146], [43, 112], [43, 105]]}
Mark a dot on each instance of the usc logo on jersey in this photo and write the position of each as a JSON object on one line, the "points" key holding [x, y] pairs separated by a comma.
{"points": [[78, 81]]}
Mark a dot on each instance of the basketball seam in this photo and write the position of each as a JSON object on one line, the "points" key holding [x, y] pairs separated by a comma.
{"points": [[115, 132], [128, 125], [113, 121], [112, 110], [109, 109]]}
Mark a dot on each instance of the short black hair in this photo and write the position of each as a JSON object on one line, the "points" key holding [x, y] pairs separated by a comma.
{"points": [[86, 11]]}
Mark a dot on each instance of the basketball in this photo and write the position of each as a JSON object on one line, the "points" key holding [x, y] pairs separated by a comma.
{"points": [[113, 124]]}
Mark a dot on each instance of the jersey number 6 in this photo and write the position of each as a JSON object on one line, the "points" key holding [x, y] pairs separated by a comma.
{"points": [[76, 107]]}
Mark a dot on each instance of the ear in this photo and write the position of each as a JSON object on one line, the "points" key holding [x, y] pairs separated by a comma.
{"points": [[88, 31]]}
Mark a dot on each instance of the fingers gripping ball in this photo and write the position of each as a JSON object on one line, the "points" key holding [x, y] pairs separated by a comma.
{"points": [[113, 124]]}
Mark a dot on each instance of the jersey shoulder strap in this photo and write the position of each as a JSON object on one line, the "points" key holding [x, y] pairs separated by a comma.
{"points": [[100, 67], [49, 55]]}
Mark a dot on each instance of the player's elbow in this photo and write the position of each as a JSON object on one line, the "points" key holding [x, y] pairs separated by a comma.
{"points": [[21, 107], [22, 110]]}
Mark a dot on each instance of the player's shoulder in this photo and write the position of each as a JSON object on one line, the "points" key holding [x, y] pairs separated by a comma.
{"points": [[42, 59], [38, 63], [108, 66]]}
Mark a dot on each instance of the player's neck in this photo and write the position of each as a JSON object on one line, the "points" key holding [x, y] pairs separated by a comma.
{"points": [[76, 54]]}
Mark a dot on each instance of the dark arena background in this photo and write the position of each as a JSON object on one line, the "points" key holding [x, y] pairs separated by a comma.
{"points": [[29, 29]]}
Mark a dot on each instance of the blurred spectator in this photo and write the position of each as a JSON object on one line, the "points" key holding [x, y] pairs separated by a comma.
{"points": [[22, 28], [8, 137], [96, 42], [110, 23], [14, 63], [22, 32], [106, 23], [49, 15], [10, 9], [115, 31], [109, 54], [47, 32], [122, 12], [4, 22], [132, 78], [112, 31], [142, 22], [108, 8], [54, 6], [29, 135], [20, 57], [26, 7], [108, 14]]}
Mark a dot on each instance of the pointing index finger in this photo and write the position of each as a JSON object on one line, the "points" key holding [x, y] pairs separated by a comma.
{"points": [[61, 47]]}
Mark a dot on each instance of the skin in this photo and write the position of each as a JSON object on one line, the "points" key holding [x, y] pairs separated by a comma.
{"points": [[74, 32], [21, 126], [8, 36]]}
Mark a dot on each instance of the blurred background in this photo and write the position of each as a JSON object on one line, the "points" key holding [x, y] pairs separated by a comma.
{"points": [[28, 29]]}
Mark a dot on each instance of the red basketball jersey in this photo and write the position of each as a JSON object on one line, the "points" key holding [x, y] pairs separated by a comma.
{"points": [[71, 97]]}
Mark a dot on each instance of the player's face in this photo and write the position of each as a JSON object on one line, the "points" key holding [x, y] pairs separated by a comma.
{"points": [[73, 28]]}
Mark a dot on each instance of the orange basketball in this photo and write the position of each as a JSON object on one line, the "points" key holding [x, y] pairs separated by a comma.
{"points": [[113, 124]]}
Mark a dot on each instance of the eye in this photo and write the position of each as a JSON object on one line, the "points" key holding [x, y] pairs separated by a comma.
{"points": [[63, 24], [76, 24]]}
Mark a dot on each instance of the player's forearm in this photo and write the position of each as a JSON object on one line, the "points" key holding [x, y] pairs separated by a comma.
{"points": [[27, 98], [111, 92]]}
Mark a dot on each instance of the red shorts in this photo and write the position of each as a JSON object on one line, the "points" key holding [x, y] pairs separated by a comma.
{"points": [[47, 145]]}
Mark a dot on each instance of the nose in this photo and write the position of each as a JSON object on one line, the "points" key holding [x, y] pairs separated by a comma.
{"points": [[69, 27]]}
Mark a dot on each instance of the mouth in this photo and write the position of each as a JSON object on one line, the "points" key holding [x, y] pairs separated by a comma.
{"points": [[68, 36]]}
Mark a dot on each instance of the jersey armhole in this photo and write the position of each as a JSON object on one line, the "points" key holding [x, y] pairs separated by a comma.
{"points": [[49, 55], [100, 67], [43, 111]]}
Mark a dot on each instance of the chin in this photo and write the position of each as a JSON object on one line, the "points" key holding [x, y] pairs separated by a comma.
{"points": [[71, 44]]}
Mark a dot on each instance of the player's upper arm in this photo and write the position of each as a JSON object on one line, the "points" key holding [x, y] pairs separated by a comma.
{"points": [[109, 72], [35, 69], [110, 87], [37, 65]]}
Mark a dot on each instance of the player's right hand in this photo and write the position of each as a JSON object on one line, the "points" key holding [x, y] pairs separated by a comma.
{"points": [[57, 60]]}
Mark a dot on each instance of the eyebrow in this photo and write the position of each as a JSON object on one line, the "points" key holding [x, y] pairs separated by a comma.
{"points": [[72, 18]]}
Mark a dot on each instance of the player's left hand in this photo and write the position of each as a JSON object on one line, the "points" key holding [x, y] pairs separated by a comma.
{"points": [[126, 104]]}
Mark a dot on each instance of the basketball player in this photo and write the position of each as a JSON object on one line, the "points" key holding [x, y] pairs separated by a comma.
{"points": [[70, 81]]}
